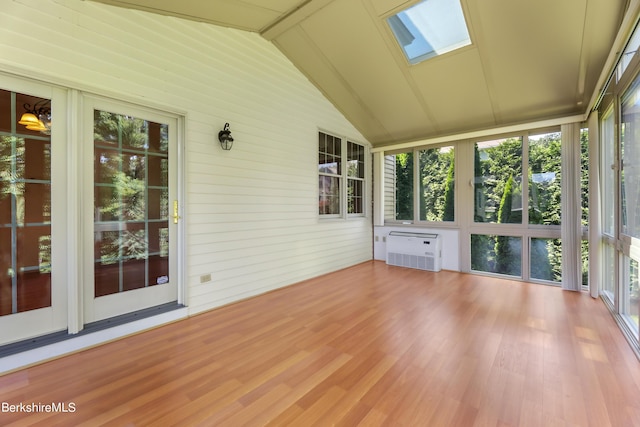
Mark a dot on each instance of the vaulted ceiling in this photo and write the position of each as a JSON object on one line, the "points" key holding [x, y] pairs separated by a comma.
{"points": [[528, 61]]}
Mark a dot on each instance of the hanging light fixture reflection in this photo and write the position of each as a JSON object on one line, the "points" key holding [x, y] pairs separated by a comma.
{"points": [[38, 117]]}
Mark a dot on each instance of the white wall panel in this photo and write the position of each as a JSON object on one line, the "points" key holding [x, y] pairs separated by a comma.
{"points": [[251, 213]]}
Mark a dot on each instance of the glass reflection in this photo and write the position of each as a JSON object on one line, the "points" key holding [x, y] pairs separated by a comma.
{"points": [[25, 209], [496, 254], [131, 203]]}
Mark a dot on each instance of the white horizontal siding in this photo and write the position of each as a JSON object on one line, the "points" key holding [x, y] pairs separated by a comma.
{"points": [[251, 213]]}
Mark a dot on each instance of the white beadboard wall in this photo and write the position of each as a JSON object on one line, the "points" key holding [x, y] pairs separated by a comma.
{"points": [[251, 213]]}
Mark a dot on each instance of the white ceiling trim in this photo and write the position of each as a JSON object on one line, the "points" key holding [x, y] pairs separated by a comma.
{"points": [[483, 133]]}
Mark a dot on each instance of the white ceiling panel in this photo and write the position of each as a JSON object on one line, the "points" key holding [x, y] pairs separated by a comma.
{"points": [[457, 81], [529, 60], [393, 102]]}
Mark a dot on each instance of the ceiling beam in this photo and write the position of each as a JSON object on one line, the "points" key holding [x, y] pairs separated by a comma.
{"points": [[293, 18]]}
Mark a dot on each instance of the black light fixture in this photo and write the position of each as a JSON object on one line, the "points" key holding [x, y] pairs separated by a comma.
{"points": [[225, 138]]}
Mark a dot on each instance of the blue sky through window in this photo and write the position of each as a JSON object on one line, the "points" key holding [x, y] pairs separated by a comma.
{"points": [[430, 28]]}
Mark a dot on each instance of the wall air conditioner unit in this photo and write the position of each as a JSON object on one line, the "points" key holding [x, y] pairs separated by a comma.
{"points": [[414, 250]]}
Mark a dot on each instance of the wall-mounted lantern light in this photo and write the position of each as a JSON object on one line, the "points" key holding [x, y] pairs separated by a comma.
{"points": [[225, 138]]}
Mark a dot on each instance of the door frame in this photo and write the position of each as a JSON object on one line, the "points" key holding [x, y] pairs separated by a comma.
{"points": [[85, 205]]}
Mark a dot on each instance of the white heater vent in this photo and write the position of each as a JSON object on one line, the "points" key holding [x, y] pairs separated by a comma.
{"points": [[414, 250]]}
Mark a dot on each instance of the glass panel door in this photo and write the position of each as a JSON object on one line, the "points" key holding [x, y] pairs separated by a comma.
{"points": [[32, 298], [630, 205], [133, 234]]}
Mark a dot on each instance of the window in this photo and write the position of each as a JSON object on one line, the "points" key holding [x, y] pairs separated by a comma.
{"points": [[433, 189], [629, 52], [498, 181], [332, 171], [630, 153], [496, 254], [437, 184], [517, 203], [430, 28], [629, 178], [329, 168], [546, 259], [355, 178], [399, 187], [509, 206], [544, 179]]}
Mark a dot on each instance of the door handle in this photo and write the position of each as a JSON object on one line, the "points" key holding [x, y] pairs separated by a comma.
{"points": [[176, 217]]}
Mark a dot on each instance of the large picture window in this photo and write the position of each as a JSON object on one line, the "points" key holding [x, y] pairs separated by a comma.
{"points": [[510, 212], [498, 181]]}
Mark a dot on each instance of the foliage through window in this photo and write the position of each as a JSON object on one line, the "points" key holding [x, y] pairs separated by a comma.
{"points": [[25, 209], [399, 187], [544, 179], [131, 203], [436, 180], [498, 181], [437, 184], [513, 203]]}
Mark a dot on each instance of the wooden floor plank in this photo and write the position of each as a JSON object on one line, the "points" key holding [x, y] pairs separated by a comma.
{"points": [[369, 345]]}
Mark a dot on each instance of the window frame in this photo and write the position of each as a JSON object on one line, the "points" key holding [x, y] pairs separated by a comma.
{"points": [[416, 178], [524, 229], [408, 25], [619, 249], [463, 219], [343, 177]]}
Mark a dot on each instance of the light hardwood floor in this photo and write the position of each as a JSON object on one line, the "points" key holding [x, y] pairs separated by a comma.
{"points": [[369, 345]]}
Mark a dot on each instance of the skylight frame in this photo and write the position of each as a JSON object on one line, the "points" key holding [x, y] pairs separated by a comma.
{"points": [[430, 28]]}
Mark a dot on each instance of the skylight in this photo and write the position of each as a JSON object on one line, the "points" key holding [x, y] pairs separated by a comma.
{"points": [[430, 28]]}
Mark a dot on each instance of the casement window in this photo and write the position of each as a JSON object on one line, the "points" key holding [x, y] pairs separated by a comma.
{"points": [[341, 177]]}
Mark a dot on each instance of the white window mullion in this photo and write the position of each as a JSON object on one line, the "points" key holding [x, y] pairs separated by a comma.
{"points": [[526, 237], [74, 203]]}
